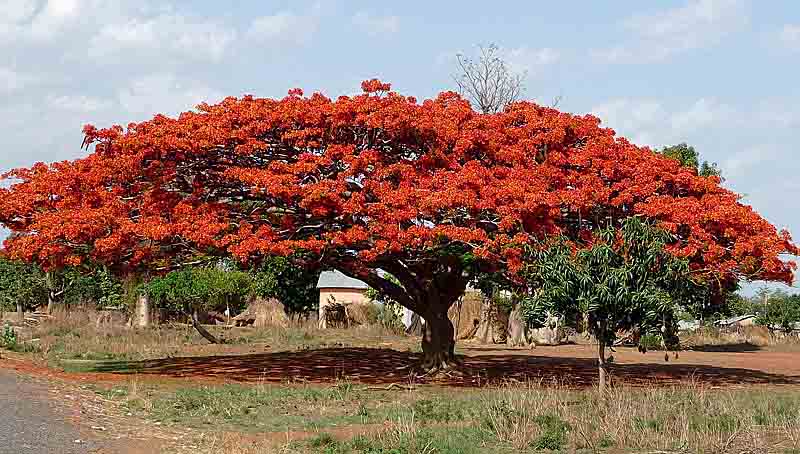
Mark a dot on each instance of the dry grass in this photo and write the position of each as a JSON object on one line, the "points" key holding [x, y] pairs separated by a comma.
{"points": [[752, 335], [266, 313], [362, 313], [683, 419], [76, 335], [535, 419]]}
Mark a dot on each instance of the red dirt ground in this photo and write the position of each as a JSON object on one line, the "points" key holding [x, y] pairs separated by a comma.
{"points": [[567, 365]]}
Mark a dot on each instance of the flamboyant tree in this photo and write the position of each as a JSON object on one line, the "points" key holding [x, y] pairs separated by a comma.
{"points": [[430, 192]]}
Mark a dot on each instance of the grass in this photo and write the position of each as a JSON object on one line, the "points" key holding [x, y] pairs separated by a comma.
{"points": [[75, 336], [348, 418], [275, 408]]}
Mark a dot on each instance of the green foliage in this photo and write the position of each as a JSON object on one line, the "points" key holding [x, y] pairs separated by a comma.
{"points": [[96, 285], [292, 285], [625, 280], [781, 311], [389, 312], [689, 157], [438, 409], [737, 305], [28, 284], [8, 338], [554, 433], [201, 288], [21, 283]]}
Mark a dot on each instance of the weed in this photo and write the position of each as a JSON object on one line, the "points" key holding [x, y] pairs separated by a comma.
{"points": [[322, 440], [554, 432]]}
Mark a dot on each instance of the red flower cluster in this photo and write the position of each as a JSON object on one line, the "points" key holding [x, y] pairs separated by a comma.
{"points": [[371, 179]]}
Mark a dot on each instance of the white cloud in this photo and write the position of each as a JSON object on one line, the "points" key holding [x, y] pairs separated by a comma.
{"points": [[738, 163], [78, 103], [660, 35], [790, 36], [531, 60], [286, 27], [637, 119], [164, 93], [703, 113], [174, 34], [649, 122], [11, 81], [376, 25], [57, 15], [16, 11]]}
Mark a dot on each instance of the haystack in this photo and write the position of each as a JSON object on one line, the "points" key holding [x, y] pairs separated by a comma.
{"points": [[263, 313], [361, 313], [465, 315]]}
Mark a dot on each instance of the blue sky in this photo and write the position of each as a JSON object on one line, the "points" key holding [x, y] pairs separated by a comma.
{"points": [[719, 74]]}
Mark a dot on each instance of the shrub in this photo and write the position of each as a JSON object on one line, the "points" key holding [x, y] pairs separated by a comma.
{"points": [[8, 339]]}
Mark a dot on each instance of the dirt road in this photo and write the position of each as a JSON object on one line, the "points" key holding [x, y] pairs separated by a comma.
{"points": [[31, 423]]}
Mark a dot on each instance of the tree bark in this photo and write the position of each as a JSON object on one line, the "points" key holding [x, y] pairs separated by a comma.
{"points": [[20, 313], [438, 342], [200, 329], [141, 313], [602, 365]]}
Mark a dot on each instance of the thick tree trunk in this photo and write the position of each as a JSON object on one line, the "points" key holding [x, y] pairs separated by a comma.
{"points": [[20, 313], [200, 329], [438, 342]]}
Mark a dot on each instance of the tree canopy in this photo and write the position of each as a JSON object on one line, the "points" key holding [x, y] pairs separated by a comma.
{"points": [[431, 192], [621, 279]]}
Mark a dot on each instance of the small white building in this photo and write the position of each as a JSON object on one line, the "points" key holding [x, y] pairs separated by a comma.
{"points": [[334, 286]]}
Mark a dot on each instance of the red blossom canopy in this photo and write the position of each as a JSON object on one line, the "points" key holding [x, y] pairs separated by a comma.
{"points": [[375, 181]]}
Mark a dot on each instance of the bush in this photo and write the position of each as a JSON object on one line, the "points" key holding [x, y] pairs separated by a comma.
{"points": [[8, 339], [389, 318], [650, 342], [554, 433]]}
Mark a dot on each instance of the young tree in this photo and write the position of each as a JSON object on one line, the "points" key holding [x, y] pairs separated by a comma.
{"points": [[191, 290], [622, 279], [488, 82], [434, 193]]}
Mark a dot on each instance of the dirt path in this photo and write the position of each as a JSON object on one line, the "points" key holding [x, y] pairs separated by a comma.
{"points": [[31, 423], [46, 411]]}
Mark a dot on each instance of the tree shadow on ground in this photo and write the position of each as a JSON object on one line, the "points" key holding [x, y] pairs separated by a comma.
{"points": [[384, 366], [727, 348]]}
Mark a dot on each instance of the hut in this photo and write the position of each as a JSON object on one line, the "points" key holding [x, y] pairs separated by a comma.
{"points": [[336, 288]]}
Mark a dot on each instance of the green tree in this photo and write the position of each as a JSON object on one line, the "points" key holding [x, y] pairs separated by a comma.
{"points": [[22, 286], [689, 157], [623, 280], [85, 285], [190, 290], [780, 311], [294, 286]]}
